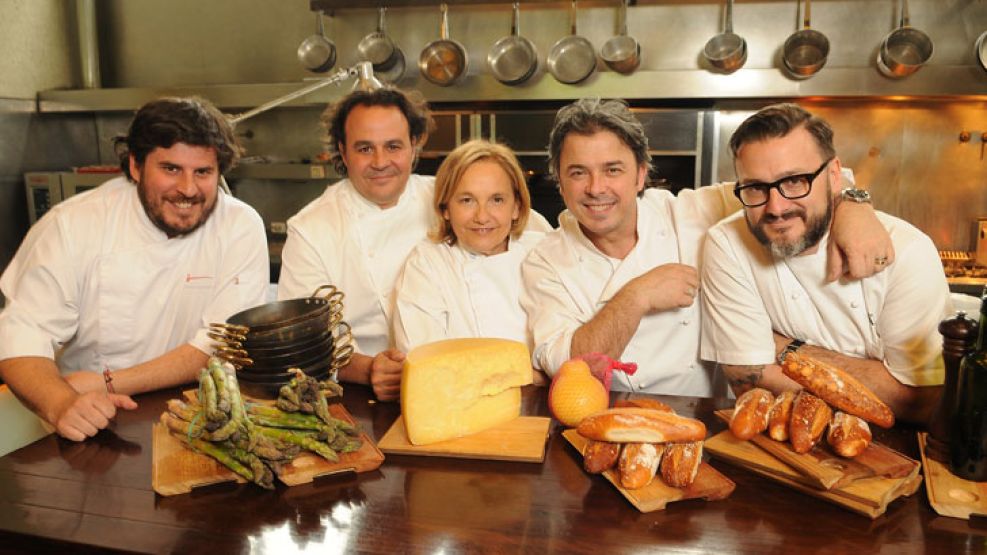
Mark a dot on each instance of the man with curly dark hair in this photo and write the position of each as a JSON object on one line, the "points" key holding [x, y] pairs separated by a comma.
{"points": [[111, 292]]}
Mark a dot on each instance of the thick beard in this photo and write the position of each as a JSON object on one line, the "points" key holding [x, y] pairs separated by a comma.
{"points": [[154, 213], [815, 229]]}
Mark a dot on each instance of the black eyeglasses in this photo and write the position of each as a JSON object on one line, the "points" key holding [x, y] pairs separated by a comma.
{"points": [[790, 187]]}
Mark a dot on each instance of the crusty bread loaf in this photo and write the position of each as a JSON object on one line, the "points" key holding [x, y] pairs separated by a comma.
{"points": [[644, 403], [600, 455], [750, 414], [638, 464], [680, 463], [848, 435], [839, 389], [637, 425], [810, 416], [780, 415]]}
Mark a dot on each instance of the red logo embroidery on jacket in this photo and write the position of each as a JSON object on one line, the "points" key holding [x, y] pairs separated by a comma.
{"points": [[190, 278]]}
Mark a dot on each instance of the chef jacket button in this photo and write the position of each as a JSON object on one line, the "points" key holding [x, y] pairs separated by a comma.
{"points": [[854, 304], [370, 254], [640, 386], [685, 322], [795, 296]]}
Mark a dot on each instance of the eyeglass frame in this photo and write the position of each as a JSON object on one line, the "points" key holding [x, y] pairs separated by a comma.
{"points": [[809, 177]]}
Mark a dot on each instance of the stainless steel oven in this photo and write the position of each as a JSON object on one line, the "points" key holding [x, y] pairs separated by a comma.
{"points": [[46, 189]]}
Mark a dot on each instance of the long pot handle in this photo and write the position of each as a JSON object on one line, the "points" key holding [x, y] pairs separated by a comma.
{"points": [[622, 19], [729, 28], [808, 9], [904, 13], [444, 26], [516, 20], [572, 18], [380, 19]]}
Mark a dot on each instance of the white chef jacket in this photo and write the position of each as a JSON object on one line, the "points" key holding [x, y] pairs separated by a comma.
{"points": [[97, 279], [345, 240], [892, 316], [567, 280], [447, 291]]}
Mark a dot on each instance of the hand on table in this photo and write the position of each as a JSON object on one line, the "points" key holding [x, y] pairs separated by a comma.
{"points": [[385, 374], [89, 413]]}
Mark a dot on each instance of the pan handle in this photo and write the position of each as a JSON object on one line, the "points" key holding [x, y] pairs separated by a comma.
{"points": [[516, 20], [444, 26], [343, 350], [622, 19], [904, 14], [380, 19], [808, 9], [333, 296], [572, 18], [729, 26]]}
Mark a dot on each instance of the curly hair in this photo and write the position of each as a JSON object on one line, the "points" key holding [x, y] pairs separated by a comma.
{"points": [[411, 104], [451, 173], [587, 116], [162, 123], [778, 120]]}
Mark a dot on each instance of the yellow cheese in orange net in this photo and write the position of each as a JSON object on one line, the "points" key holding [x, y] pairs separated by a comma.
{"points": [[456, 387]]}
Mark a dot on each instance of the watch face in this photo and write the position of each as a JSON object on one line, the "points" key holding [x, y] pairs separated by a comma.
{"points": [[856, 195]]}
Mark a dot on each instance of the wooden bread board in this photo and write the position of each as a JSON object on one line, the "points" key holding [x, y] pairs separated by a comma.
{"points": [[176, 469], [866, 496], [949, 494], [522, 439], [821, 468], [709, 484]]}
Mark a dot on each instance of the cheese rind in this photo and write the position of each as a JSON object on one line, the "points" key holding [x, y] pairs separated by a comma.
{"points": [[456, 387]]}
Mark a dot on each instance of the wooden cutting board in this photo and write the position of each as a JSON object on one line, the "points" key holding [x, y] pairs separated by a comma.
{"points": [[709, 484], [949, 494], [866, 496], [824, 469], [521, 439], [177, 469]]}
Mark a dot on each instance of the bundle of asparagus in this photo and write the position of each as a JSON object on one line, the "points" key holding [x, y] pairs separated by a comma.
{"points": [[250, 439]]}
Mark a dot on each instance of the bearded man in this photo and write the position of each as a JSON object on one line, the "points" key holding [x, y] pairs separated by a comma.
{"points": [[763, 278], [112, 291]]}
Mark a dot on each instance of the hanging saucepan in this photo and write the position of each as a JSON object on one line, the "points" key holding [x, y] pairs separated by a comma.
{"points": [[317, 53], [980, 50], [806, 50], [513, 59], [622, 53], [573, 57], [378, 48], [727, 51], [905, 50], [443, 61]]}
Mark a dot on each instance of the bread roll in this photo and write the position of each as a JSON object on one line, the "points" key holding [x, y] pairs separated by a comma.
{"points": [[780, 414], [636, 425], [600, 455], [810, 416], [644, 403], [848, 435], [750, 414], [680, 463], [838, 388], [638, 464]]}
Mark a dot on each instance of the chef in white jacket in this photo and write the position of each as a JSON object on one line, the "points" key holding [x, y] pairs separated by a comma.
{"points": [[358, 233], [111, 292], [465, 279], [620, 275]]}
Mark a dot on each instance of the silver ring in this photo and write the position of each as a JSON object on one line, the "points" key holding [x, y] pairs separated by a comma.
{"points": [[881, 260], [691, 292]]}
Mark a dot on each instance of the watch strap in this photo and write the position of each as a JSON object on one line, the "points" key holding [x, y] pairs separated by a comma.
{"points": [[790, 348]]}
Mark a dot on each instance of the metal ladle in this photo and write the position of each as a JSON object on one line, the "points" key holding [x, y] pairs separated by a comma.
{"points": [[622, 53]]}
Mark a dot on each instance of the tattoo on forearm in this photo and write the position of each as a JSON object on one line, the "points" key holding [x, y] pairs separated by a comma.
{"points": [[744, 378]]}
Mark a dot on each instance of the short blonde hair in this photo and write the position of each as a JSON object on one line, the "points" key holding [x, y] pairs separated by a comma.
{"points": [[451, 173]]}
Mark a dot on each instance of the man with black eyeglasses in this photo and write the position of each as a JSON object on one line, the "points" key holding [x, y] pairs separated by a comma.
{"points": [[763, 277]]}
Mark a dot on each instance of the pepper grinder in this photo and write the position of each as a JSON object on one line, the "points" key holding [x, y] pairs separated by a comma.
{"points": [[959, 334]]}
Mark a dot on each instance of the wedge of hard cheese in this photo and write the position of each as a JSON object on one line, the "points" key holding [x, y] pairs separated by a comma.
{"points": [[457, 387]]}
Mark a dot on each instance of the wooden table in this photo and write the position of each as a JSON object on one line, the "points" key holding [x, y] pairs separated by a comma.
{"points": [[97, 495]]}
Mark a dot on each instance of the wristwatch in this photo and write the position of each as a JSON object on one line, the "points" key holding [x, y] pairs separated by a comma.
{"points": [[790, 348], [855, 195]]}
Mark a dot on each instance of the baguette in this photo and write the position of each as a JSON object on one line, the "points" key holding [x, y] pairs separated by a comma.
{"points": [[599, 456], [680, 463], [637, 425], [639, 464], [810, 416], [780, 415], [848, 435], [750, 414], [839, 389]]}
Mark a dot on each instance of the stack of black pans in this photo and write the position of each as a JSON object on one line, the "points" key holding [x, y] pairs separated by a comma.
{"points": [[266, 341]]}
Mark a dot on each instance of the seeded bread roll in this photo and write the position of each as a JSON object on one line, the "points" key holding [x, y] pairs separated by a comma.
{"points": [[750, 414], [638, 464], [600, 455], [780, 415], [810, 416], [848, 435], [680, 463], [636, 425], [839, 389]]}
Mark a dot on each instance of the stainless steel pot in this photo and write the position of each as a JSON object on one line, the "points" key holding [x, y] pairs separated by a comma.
{"points": [[378, 48], [727, 51], [572, 58], [622, 53], [805, 51], [317, 53], [443, 61], [905, 50], [396, 72], [513, 59]]}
